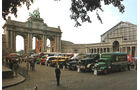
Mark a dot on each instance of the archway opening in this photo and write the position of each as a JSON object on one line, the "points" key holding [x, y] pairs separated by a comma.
{"points": [[33, 44], [48, 45], [115, 46], [19, 44]]}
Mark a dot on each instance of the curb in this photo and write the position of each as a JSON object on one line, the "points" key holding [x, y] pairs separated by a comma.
{"points": [[12, 82]]}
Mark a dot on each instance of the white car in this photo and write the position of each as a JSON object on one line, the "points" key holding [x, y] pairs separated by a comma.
{"points": [[49, 58]]}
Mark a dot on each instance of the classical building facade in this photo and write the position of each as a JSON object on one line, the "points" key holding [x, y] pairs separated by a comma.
{"points": [[120, 38], [33, 27]]}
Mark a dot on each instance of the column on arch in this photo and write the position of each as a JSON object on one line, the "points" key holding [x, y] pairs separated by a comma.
{"points": [[52, 43], [10, 40], [30, 41], [7, 33], [26, 44], [14, 41], [40, 44], [57, 43], [45, 43]]}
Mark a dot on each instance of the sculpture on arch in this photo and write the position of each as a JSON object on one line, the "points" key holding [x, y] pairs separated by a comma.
{"points": [[35, 13]]}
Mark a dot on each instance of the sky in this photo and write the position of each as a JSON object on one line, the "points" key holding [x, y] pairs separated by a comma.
{"points": [[57, 13]]}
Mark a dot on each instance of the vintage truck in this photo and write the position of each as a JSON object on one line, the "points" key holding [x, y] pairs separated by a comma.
{"points": [[86, 64], [110, 62]]}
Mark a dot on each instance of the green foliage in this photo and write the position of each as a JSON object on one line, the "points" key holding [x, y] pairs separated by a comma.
{"points": [[10, 51], [80, 9], [10, 6], [21, 52]]}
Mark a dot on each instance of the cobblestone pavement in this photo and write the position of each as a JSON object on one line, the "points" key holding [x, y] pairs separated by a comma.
{"points": [[44, 79]]}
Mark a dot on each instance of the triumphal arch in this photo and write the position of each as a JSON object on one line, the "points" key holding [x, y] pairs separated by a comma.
{"points": [[33, 27]]}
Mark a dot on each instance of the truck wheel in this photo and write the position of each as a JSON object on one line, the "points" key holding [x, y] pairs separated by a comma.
{"points": [[105, 71]]}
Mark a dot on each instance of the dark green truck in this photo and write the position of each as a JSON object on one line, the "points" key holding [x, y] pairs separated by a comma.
{"points": [[109, 62]]}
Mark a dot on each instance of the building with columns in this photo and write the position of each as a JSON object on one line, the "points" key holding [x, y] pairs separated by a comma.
{"points": [[120, 38], [33, 27]]}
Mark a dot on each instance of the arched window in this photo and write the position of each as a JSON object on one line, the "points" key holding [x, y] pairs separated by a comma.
{"points": [[115, 46]]}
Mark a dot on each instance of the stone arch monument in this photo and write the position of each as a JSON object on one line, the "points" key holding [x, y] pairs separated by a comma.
{"points": [[33, 27]]}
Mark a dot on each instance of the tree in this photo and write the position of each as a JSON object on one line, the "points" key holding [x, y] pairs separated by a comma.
{"points": [[10, 6], [79, 8], [21, 52]]}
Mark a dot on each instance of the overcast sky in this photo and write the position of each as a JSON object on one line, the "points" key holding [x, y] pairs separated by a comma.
{"points": [[57, 13]]}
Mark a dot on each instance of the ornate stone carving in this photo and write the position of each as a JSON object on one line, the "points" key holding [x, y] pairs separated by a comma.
{"points": [[35, 13]]}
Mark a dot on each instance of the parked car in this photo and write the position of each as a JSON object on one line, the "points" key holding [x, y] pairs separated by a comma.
{"points": [[72, 64], [49, 59], [86, 64], [59, 61], [115, 61]]}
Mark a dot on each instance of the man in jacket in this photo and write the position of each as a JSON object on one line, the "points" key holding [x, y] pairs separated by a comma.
{"points": [[57, 72]]}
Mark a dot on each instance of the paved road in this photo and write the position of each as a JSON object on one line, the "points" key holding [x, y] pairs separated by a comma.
{"points": [[44, 78]]}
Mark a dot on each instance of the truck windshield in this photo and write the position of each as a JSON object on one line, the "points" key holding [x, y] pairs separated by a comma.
{"points": [[106, 56]]}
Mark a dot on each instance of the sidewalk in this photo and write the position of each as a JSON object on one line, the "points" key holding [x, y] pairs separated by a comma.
{"points": [[11, 81]]}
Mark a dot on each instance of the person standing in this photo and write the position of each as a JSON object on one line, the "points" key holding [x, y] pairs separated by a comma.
{"points": [[15, 67], [57, 72], [27, 65]]}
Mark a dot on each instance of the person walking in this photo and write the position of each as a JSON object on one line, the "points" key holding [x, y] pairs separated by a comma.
{"points": [[128, 65], [57, 72], [32, 65]]}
